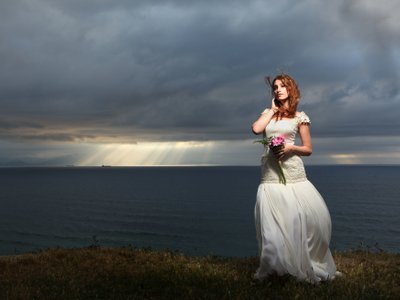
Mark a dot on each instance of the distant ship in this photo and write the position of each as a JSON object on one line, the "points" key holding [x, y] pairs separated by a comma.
{"points": [[105, 166]]}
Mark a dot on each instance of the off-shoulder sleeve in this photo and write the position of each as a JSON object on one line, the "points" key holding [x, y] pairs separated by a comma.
{"points": [[303, 119]]}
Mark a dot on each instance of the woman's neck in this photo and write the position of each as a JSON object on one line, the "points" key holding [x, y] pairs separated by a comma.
{"points": [[286, 104]]}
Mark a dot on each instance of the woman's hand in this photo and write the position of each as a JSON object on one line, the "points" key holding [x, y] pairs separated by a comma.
{"points": [[282, 151], [274, 107]]}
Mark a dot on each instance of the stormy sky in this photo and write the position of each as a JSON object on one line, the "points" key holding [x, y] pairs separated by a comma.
{"points": [[91, 82]]}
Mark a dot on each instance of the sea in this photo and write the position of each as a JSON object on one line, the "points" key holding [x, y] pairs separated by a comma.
{"points": [[195, 210]]}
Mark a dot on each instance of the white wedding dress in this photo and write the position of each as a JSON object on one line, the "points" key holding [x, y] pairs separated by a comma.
{"points": [[293, 224]]}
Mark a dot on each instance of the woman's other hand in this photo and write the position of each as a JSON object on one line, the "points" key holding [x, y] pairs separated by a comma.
{"points": [[282, 151]]}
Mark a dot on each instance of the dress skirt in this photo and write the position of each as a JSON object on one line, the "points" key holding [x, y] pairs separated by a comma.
{"points": [[293, 228]]}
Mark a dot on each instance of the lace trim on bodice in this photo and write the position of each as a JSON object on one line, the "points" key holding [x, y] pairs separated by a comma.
{"points": [[300, 117], [293, 167]]}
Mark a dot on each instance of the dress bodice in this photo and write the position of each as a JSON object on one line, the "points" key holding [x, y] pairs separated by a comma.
{"points": [[292, 165]]}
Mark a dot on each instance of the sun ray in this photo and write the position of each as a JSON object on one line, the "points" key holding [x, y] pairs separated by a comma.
{"points": [[157, 153]]}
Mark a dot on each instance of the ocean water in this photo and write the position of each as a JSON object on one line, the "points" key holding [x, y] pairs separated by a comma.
{"points": [[195, 210]]}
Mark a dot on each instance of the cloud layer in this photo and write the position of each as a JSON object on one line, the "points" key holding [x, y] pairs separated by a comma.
{"points": [[130, 72]]}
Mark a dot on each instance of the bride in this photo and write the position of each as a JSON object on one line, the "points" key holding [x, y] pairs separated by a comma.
{"points": [[293, 224]]}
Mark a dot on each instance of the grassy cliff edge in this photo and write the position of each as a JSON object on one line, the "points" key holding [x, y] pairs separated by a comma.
{"points": [[130, 273]]}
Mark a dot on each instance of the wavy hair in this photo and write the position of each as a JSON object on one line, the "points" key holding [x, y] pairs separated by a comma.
{"points": [[293, 95]]}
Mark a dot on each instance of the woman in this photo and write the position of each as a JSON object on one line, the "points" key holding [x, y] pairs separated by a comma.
{"points": [[293, 224]]}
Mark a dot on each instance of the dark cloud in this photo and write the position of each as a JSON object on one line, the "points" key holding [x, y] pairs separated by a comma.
{"points": [[188, 70]]}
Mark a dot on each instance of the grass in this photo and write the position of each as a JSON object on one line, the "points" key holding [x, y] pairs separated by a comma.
{"points": [[129, 273]]}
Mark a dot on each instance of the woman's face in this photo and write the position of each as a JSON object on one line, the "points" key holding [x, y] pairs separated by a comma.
{"points": [[280, 90]]}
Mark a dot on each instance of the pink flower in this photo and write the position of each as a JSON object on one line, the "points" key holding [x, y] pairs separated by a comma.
{"points": [[277, 141], [273, 142]]}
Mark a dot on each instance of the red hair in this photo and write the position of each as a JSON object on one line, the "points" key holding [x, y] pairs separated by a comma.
{"points": [[293, 95]]}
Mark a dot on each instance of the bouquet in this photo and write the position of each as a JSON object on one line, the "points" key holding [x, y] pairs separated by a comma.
{"points": [[272, 142]]}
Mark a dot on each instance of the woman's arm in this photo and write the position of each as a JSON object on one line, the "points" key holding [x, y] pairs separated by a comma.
{"points": [[306, 145], [262, 122]]}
